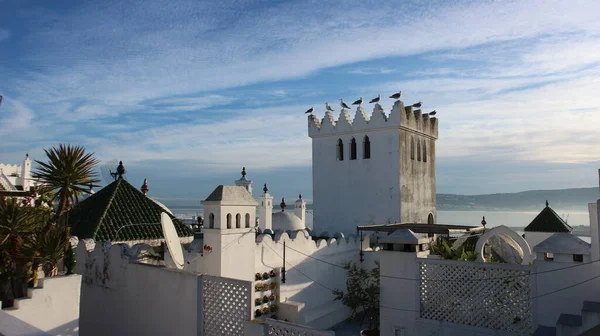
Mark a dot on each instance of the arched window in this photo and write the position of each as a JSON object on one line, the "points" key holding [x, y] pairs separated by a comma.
{"points": [[340, 150], [430, 219], [238, 221], [229, 221], [247, 220], [412, 148], [211, 221], [418, 150], [366, 148], [353, 149], [424, 151]]}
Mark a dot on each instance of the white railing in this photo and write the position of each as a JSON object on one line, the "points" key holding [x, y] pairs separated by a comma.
{"points": [[281, 328], [487, 295], [227, 304], [6, 183]]}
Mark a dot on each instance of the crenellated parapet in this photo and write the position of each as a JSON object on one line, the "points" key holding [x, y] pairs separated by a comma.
{"points": [[402, 117]]}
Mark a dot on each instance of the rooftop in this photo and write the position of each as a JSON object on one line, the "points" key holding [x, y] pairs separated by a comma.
{"points": [[563, 243], [231, 195], [548, 221], [420, 228]]}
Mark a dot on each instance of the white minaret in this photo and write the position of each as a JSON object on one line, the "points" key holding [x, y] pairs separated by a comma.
{"points": [[265, 210], [26, 173], [243, 182], [300, 209]]}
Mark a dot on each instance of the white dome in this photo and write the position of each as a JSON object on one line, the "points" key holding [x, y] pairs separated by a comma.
{"points": [[287, 221]]}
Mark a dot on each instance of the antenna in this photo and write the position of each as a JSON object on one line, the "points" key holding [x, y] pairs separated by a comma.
{"points": [[172, 240], [110, 171]]}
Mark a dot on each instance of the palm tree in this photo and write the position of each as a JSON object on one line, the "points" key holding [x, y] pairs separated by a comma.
{"points": [[68, 173]]}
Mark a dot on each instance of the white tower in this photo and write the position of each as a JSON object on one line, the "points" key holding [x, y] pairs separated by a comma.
{"points": [[230, 213], [300, 209], [265, 210], [26, 173], [373, 170], [243, 182]]}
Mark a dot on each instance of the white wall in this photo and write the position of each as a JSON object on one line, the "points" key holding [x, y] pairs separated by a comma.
{"points": [[122, 298], [534, 238], [54, 308], [595, 232], [320, 311], [12, 326]]}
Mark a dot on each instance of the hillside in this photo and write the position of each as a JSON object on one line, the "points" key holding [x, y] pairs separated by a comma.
{"points": [[575, 198]]}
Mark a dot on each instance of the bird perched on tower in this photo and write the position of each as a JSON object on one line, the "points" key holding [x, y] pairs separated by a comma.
{"points": [[343, 105], [327, 107], [358, 102], [432, 113], [396, 95], [375, 100], [417, 105], [310, 110]]}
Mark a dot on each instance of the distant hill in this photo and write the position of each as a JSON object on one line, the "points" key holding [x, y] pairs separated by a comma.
{"points": [[575, 198]]}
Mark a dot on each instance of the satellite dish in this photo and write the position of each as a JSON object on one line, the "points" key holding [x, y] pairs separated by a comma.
{"points": [[172, 240], [107, 169]]}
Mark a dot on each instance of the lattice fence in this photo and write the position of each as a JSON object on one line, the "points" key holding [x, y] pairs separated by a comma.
{"points": [[490, 296], [227, 305], [280, 328]]}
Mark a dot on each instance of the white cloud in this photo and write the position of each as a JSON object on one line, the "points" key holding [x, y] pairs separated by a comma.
{"points": [[4, 34], [371, 71]]}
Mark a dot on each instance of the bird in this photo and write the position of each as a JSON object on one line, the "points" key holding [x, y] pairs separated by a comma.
{"points": [[358, 102], [432, 113], [343, 105], [310, 110], [417, 105], [375, 100], [396, 95], [327, 107]]}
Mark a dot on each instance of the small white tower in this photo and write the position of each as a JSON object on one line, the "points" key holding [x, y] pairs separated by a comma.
{"points": [[26, 173], [300, 209], [265, 210], [243, 182]]}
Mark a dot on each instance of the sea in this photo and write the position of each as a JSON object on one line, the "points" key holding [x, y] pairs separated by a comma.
{"points": [[515, 219]]}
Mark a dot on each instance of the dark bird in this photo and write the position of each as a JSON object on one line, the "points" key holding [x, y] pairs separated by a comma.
{"points": [[375, 100], [327, 107], [417, 105], [396, 95], [310, 110], [358, 102], [343, 105], [432, 113]]}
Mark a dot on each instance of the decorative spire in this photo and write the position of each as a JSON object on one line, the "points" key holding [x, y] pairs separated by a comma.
{"points": [[26, 156], [121, 170], [282, 204], [483, 222], [243, 171], [299, 196], [265, 189], [547, 204], [145, 188]]}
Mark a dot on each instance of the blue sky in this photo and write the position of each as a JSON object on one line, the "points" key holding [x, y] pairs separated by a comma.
{"points": [[188, 92]]}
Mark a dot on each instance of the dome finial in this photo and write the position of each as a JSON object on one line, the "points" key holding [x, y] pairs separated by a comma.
{"points": [[121, 170], [547, 204], [483, 222], [244, 171], [299, 196], [145, 188], [282, 204], [265, 189]]}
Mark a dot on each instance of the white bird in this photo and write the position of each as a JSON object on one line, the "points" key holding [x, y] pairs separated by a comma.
{"points": [[375, 100], [396, 95], [310, 110], [327, 107], [358, 102], [417, 105], [343, 105]]}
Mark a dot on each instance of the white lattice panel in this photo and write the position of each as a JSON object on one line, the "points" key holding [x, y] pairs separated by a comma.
{"points": [[227, 305], [280, 328], [489, 296]]}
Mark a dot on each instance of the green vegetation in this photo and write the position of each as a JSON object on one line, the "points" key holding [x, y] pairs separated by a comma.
{"points": [[38, 235], [442, 248]]}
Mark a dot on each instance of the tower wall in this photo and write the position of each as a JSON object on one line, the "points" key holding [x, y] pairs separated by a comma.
{"points": [[388, 187]]}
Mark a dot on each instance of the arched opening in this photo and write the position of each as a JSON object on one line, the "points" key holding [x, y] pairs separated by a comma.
{"points": [[412, 148], [418, 150], [505, 234], [430, 219], [238, 221], [229, 221], [424, 151], [211, 221], [366, 148], [340, 150], [353, 149], [247, 220]]}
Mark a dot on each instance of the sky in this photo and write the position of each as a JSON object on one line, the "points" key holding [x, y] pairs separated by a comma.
{"points": [[187, 92]]}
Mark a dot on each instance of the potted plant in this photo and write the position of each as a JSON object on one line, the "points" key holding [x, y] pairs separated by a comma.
{"points": [[273, 308], [257, 301], [265, 299], [362, 296], [257, 313], [258, 287], [272, 297], [273, 285], [273, 273], [265, 276], [257, 277], [265, 310]]}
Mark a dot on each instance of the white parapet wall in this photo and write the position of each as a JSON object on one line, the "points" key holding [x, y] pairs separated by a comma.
{"points": [[53, 308]]}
